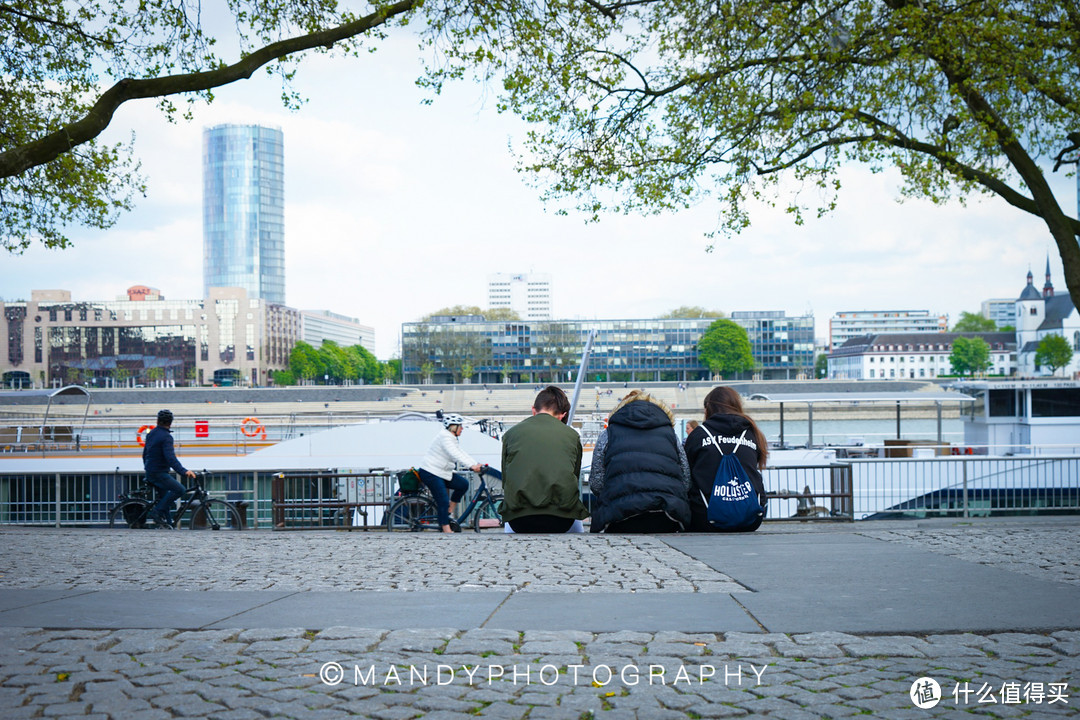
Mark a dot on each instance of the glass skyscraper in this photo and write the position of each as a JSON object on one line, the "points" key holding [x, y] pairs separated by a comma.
{"points": [[244, 210]]}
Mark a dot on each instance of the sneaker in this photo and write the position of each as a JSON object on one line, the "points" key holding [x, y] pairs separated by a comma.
{"points": [[160, 519], [454, 526]]}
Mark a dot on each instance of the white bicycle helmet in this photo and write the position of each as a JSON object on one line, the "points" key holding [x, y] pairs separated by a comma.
{"points": [[452, 419]]}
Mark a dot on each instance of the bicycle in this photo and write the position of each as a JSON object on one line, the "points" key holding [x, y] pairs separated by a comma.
{"points": [[416, 511], [205, 512]]}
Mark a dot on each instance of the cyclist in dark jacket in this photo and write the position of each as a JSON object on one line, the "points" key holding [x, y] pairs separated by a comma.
{"points": [[158, 458]]}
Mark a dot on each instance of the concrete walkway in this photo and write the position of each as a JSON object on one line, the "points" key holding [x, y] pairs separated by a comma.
{"points": [[793, 621]]}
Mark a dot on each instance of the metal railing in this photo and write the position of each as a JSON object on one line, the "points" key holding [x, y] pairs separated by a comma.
{"points": [[965, 486], [879, 488], [84, 499], [312, 500], [809, 492]]}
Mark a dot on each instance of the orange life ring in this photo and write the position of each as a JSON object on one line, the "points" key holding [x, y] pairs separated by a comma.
{"points": [[138, 435], [251, 427]]}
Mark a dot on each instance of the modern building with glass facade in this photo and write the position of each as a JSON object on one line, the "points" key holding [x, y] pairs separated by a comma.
{"points": [[227, 338], [851, 324], [453, 348], [244, 210]]}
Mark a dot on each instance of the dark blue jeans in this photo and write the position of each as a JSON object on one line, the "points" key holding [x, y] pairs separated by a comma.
{"points": [[438, 487], [169, 488]]}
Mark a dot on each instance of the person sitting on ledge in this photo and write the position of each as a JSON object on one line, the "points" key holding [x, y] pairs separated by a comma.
{"points": [[541, 464], [639, 477]]}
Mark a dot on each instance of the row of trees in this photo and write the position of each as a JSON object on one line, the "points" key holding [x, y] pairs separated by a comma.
{"points": [[335, 365]]}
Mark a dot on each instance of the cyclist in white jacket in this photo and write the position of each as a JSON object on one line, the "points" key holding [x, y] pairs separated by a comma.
{"points": [[437, 470]]}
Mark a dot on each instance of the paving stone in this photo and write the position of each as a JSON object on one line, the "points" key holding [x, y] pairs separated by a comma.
{"points": [[503, 711], [632, 637], [398, 712], [714, 710]]}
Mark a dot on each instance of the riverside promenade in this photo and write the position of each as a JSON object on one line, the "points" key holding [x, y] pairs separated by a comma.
{"points": [[905, 619]]}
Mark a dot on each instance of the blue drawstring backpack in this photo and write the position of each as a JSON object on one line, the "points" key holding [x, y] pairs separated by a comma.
{"points": [[734, 503]]}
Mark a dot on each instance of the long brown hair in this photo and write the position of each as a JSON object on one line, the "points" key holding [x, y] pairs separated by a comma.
{"points": [[724, 400]]}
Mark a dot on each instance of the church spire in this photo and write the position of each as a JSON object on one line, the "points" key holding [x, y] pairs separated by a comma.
{"points": [[1048, 288]]}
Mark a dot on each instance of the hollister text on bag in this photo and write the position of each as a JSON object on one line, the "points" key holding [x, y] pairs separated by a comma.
{"points": [[734, 503]]}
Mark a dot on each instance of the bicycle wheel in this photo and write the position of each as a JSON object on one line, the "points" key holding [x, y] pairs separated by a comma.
{"points": [[486, 517], [413, 513], [216, 514], [130, 513]]}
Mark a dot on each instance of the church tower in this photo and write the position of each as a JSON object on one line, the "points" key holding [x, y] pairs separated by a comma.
{"points": [[1030, 313], [1048, 287]]}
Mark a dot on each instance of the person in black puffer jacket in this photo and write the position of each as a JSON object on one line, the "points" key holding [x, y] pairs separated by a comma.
{"points": [[726, 420], [639, 477]]}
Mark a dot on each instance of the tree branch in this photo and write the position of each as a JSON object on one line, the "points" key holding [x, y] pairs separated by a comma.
{"points": [[71, 27], [46, 149]]}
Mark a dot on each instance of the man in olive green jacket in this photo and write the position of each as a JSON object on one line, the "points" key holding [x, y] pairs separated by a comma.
{"points": [[541, 462]]}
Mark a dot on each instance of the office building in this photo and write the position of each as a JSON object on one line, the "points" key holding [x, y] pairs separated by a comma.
{"points": [[529, 295], [452, 348], [1001, 311], [851, 324], [227, 338], [244, 211], [320, 325], [783, 346]]}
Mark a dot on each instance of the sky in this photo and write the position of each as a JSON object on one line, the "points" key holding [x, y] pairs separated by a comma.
{"points": [[395, 209]]}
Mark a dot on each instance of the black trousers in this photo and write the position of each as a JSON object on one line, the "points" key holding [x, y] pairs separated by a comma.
{"points": [[540, 524], [651, 522]]}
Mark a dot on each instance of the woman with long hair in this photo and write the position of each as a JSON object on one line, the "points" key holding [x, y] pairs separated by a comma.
{"points": [[726, 426]]}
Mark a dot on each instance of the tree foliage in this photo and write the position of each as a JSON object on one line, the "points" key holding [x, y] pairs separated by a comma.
{"points": [[643, 105], [969, 356], [821, 366], [974, 322], [493, 314], [501, 314], [334, 364], [691, 311], [1053, 352], [66, 67], [649, 105], [725, 348], [305, 362]]}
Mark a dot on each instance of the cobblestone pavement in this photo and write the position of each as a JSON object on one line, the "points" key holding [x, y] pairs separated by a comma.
{"points": [[353, 561], [444, 674], [1045, 553]]}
